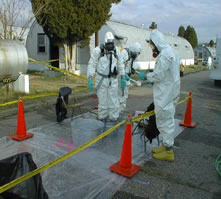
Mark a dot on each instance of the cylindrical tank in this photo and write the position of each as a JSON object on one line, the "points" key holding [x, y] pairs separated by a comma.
{"points": [[13, 60]]}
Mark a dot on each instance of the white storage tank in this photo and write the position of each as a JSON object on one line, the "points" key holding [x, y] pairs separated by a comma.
{"points": [[13, 60]]}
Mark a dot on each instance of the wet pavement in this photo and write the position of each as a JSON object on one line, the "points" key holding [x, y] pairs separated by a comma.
{"points": [[193, 173]]}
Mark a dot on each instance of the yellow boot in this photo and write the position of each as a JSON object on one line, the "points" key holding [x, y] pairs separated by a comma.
{"points": [[158, 149], [165, 155]]}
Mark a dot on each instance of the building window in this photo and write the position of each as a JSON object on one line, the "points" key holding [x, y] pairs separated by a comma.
{"points": [[200, 55], [41, 43]]}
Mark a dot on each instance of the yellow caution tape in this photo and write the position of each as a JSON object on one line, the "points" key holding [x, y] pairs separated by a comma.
{"points": [[40, 95], [50, 94], [184, 100], [150, 113], [77, 150], [9, 103], [53, 60], [140, 117], [57, 69], [58, 160]]}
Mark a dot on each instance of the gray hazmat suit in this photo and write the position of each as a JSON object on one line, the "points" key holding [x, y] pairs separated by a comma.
{"points": [[129, 63], [166, 88], [106, 83]]}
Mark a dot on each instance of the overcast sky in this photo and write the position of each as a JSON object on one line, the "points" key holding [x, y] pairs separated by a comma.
{"points": [[203, 15]]}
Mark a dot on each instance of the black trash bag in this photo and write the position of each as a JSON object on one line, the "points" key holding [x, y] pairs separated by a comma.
{"points": [[150, 130], [61, 111], [16, 166]]}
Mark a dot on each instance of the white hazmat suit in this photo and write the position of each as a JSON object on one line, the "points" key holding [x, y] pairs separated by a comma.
{"points": [[129, 56], [209, 63], [166, 87], [106, 68]]}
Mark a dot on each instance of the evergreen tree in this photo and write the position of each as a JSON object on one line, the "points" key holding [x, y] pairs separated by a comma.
{"points": [[69, 21], [153, 25], [211, 43], [181, 31], [190, 36]]}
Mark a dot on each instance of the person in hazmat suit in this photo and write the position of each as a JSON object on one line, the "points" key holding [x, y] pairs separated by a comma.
{"points": [[129, 56], [106, 64], [209, 63], [166, 90]]}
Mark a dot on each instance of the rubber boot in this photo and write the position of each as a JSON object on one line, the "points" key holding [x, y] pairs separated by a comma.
{"points": [[159, 149], [165, 155]]}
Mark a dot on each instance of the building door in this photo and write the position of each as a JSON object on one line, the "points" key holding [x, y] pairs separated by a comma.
{"points": [[54, 54]]}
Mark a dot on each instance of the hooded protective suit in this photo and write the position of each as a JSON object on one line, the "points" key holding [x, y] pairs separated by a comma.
{"points": [[129, 56], [166, 88], [209, 62], [107, 67]]}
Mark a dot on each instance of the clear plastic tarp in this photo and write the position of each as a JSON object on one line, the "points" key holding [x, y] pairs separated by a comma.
{"points": [[85, 174]]}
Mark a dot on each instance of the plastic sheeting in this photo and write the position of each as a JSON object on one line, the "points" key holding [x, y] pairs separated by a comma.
{"points": [[16, 166], [86, 174]]}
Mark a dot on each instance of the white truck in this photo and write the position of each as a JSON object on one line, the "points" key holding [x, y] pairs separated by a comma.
{"points": [[215, 73]]}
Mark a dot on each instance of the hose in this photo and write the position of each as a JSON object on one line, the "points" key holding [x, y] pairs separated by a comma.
{"points": [[218, 165]]}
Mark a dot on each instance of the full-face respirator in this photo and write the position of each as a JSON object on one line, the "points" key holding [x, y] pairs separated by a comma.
{"points": [[109, 45]]}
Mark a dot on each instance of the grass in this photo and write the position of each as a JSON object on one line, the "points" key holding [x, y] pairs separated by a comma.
{"points": [[41, 83], [194, 68]]}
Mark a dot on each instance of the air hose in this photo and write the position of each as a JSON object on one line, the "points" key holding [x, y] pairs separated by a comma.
{"points": [[218, 165]]}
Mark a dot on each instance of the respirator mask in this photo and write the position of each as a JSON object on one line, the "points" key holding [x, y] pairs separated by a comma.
{"points": [[109, 45], [155, 51]]}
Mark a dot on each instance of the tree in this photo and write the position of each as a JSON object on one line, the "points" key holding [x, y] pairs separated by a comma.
{"points": [[181, 31], [190, 35], [15, 17], [153, 25], [67, 22], [211, 43]]}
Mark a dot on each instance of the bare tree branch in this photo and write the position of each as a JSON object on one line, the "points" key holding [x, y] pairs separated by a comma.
{"points": [[16, 16]]}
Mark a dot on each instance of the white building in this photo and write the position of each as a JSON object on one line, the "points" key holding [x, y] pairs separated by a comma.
{"points": [[40, 48]]}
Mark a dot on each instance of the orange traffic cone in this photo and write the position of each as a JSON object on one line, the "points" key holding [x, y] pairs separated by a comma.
{"points": [[125, 166], [188, 116], [21, 132]]}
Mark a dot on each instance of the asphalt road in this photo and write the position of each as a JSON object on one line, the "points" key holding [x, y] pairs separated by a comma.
{"points": [[192, 175]]}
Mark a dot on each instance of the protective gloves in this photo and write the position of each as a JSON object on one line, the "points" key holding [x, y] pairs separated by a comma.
{"points": [[127, 77], [123, 82], [90, 84], [142, 76]]}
